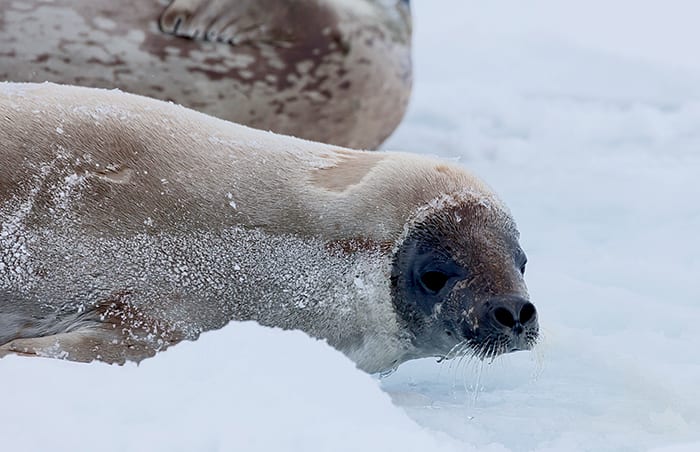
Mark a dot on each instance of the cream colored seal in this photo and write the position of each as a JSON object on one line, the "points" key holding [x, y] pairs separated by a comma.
{"points": [[336, 71], [129, 224]]}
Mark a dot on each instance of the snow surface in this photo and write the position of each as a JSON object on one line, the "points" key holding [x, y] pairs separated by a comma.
{"points": [[585, 118]]}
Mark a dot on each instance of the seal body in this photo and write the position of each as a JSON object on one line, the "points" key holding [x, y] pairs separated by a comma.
{"points": [[335, 71], [129, 224]]}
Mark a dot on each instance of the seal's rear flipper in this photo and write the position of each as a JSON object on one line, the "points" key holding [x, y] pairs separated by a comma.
{"points": [[228, 21], [108, 343], [83, 346], [113, 332]]}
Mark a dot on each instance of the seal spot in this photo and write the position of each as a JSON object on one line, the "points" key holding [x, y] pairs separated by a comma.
{"points": [[116, 176], [348, 171]]}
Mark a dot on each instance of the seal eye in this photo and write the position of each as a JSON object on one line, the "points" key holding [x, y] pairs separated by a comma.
{"points": [[434, 281]]}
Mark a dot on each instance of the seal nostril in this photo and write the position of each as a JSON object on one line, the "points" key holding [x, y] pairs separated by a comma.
{"points": [[504, 317], [527, 313]]}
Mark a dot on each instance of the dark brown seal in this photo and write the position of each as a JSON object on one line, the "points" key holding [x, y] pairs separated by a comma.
{"points": [[334, 71]]}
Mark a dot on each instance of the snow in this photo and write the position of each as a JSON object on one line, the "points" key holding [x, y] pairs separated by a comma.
{"points": [[584, 118], [243, 388]]}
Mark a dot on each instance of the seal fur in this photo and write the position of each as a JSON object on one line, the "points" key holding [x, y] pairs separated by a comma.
{"points": [[335, 71], [129, 224]]}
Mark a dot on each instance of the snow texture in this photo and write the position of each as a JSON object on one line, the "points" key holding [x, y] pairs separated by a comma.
{"points": [[584, 118]]}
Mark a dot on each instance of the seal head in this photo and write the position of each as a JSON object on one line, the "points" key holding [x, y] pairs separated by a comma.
{"points": [[457, 280]]}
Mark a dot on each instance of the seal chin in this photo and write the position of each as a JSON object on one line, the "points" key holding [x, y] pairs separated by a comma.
{"points": [[522, 343]]}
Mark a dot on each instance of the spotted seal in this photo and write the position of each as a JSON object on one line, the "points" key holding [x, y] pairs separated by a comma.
{"points": [[129, 224], [335, 71]]}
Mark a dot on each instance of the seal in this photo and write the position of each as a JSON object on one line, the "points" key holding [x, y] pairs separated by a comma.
{"points": [[334, 71], [129, 224]]}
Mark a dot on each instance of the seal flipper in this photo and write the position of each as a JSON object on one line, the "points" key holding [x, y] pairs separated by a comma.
{"points": [[114, 331], [227, 21], [98, 344]]}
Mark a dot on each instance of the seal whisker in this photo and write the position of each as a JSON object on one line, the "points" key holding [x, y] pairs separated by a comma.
{"points": [[465, 355], [456, 349], [489, 350], [458, 355]]}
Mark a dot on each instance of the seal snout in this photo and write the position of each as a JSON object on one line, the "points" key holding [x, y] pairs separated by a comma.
{"points": [[515, 316], [512, 319]]}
